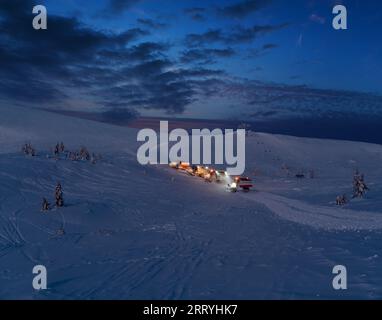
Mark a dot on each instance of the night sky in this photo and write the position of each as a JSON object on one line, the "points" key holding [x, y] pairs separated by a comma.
{"points": [[226, 59]]}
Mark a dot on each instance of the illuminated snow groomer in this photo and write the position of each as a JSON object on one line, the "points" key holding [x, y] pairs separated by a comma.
{"points": [[207, 173], [174, 165], [244, 183], [222, 176], [237, 183], [232, 187], [202, 171], [210, 175], [184, 167]]}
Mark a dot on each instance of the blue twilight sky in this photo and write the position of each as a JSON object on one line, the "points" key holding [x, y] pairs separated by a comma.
{"points": [[241, 59]]}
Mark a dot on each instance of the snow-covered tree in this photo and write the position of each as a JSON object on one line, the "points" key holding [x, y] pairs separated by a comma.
{"points": [[93, 158], [72, 156], [45, 205], [57, 150], [359, 185], [59, 196], [62, 147], [84, 154], [341, 200], [27, 149]]}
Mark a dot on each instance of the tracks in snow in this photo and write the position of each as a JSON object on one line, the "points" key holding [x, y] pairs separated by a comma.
{"points": [[330, 218]]}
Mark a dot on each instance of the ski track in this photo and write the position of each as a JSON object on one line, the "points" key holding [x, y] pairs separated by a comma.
{"points": [[317, 216], [171, 270], [153, 233]]}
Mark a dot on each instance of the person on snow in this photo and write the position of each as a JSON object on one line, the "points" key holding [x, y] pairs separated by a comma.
{"points": [[62, 147]]}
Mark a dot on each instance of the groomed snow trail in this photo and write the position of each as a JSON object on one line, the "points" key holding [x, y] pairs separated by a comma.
{"points": [[330, 218]]}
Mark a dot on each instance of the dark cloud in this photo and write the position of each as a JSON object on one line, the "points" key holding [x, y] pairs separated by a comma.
{"points": [[196, 13], [141, 52], [15, 7], [199, 72], [237, 35], [242, 35], [119, 6], [194, 10], [171, 90], [34, 62], [198, 17], [152, 24], [210, 36], [205, 56], [269, 46], [124, 73], [118, 115], [242, 9], [254, 53], [263, 114], [270, 99], [71, 61]]}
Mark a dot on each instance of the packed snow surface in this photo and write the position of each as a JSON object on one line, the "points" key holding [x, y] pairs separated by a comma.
{"points": [[134, 232]]}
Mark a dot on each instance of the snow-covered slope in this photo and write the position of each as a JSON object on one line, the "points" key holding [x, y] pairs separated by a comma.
{"points": [[135, 232], [20, 125], [328, 166]]}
